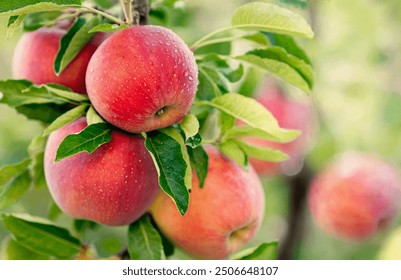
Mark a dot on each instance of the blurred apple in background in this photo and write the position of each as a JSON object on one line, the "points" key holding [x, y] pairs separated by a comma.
{"points": [[290, 113], [355, 196]]}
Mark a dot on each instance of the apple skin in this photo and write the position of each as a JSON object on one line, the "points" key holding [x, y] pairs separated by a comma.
{"points": [[290, 114], [356, 195], [221, 218], [36, 52], [142, 78], [113, 186]]}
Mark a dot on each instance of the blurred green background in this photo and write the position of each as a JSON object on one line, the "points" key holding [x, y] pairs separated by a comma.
{"points": [[357, 96]]}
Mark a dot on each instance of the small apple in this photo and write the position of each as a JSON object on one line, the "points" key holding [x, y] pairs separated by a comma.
{"points": [[355, 196], [114, 185], [142, 78], [291, 114], [36, 52], [221, 218]]}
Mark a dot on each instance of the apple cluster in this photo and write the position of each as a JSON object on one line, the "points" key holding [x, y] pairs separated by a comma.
{"points": [[139, 79]]}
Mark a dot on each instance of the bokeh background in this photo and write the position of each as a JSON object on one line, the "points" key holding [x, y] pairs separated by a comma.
{"points": [[357, 98]]}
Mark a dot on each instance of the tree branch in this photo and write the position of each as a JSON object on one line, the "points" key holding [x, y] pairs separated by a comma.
{"points": [[141, 11], [298, 185]]}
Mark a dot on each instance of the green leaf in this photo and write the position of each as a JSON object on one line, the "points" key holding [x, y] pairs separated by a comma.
{"points": [[226, 122], [303, 4], [200, 162], [89, 139], [42, 238], [207, 88], [277, 61], [190, 126], [104, 4], [234, 152], [20, 7], [250, 82], [81, 226], [252, 113], [45, 113], [108, 27], [36, 152], [35, 21], [14, 23], [271, 18], [144, 241], [249, 131], [216, 62], [258, 38], [67, 117], [21, 92], [12, 20], [279, 54], [8, 172], [13, 191], [73, 41], [217, 78], [179, 139], [168, 247], [289, 44], [262, 153], [93, 117], [66, 93], [265, 251], [37, 171], [171, 167], [54, 211], [12, 250]]}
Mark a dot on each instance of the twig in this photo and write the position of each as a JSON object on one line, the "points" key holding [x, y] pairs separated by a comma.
{"points": [[298, 185]]}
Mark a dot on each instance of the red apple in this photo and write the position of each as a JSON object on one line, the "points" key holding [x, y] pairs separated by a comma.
{"points": [[355, 196], [290, 114], [222, 217], [35, 54], [113, 186], [142, 78]]}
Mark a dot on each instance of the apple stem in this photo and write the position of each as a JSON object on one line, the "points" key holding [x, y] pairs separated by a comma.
{"points": [[103, 14], [126, 6]]}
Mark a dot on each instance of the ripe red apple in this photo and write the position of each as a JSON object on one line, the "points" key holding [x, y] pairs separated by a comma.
{"points": [[291, 114], [222, 217], [113, 186], [355, 196], [36, 51], [142, 78]]}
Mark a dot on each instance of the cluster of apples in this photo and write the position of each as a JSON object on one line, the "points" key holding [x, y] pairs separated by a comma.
{"points": [[139, 79]]}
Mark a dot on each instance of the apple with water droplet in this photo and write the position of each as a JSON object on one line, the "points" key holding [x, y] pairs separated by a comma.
{"points": [[114, 185], [35, 54], [142, 78], [222, 216], [355, 196]]}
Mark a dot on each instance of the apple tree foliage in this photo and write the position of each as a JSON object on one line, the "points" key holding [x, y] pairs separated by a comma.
{"points": [[176, 150]]}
